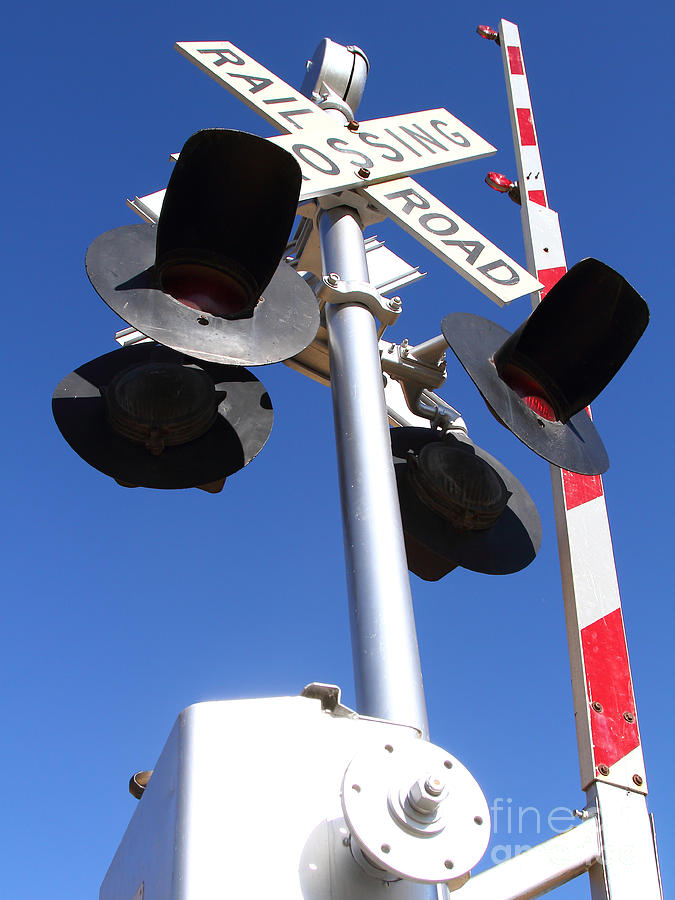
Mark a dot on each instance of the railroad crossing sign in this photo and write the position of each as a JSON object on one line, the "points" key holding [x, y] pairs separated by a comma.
{"points": [[376, 159], [336, 159]]}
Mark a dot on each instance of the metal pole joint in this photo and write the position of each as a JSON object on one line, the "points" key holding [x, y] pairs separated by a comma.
{"points": [[333, 290]]}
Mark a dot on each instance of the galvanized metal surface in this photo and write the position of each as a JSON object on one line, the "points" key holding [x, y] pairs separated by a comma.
{"points": [[244, 801], [539, 870], [384, 640]]}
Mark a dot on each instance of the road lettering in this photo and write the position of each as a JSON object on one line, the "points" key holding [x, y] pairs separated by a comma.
{"points": [[453, 240]]}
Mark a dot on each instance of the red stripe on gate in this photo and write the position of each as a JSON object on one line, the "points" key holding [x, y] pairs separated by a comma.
{"points": [[549, 277], [526, 127], [614, 728], [580, 488], [515, 61], [537, 197]]}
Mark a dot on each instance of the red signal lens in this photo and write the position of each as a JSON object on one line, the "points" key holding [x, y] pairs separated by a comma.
{"points": [[207, 290], [532, 395], [540, 406]]}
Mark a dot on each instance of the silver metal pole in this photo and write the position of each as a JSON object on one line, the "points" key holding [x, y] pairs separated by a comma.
{"points": [[386, 658]]}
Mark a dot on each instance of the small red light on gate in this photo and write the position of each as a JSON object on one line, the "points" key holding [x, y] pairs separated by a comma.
{"points": [[488, 33], [499, 182]]}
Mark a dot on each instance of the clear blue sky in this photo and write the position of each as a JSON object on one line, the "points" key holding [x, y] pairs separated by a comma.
{"points": [[122, 607]]}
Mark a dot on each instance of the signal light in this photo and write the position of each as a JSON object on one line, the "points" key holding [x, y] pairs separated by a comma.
{"points": [[488, 33], [460, 507], [503, 185], [150, 417], [207, 279], [538, 380], [499, 182]]}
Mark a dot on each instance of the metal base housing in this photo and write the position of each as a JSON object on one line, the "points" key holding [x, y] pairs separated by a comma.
{"points": [[245, 801]]}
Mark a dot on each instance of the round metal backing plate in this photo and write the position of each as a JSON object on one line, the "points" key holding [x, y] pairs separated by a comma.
{"points": [[508, 546], [376, 776], [120, 265], [576, 446], [239, 433]]}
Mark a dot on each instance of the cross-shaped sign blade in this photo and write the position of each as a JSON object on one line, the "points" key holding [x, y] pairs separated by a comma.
{"points": [[331, 157]]}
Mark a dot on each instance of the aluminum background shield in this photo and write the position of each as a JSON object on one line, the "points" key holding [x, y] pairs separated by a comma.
{"points": [[120, 266], [576, 446], [239, 433], [508, 546]]}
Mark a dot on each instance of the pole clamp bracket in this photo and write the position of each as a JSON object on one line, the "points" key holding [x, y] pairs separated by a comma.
{"points": [[333, 290]]}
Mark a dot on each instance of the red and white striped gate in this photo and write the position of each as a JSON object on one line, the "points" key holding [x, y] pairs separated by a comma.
{"points": [[608, 736]]}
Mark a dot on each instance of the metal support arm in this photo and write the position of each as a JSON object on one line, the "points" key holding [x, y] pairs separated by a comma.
{"points": [[539, 870]]}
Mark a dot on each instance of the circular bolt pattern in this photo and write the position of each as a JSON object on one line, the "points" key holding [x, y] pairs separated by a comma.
{"points": [[402, 820], [638, 780], [603, 770], [597, 706], [363, 172], [629, 717]]}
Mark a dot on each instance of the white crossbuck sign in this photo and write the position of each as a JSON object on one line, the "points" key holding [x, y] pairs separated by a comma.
{"points": [[376, 159]]}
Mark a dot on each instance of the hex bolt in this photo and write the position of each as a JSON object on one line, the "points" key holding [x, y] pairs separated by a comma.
{"points": [[394, 303], [363, 172], [425, 794], [638, 780], [603, 769], [597, 706], [629, 717], [434, 786], [333, 279], [353, 126]]}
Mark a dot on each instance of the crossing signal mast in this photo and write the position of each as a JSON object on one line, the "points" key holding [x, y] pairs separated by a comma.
{"points": [[317, 799]]}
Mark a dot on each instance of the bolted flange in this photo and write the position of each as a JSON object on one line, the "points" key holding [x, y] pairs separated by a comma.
{"points": [[416, 812]]}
